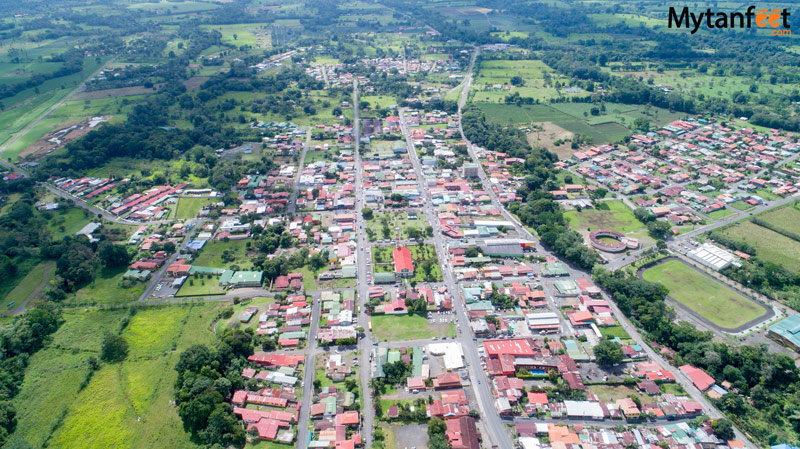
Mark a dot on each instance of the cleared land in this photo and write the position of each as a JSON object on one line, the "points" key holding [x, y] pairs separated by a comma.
{"points": [[618, 217], [408, 327], [712, 300], [770, 246], [607, 126]]}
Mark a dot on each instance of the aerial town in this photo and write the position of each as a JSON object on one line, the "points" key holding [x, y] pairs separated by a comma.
{"points": [[364, 225]]}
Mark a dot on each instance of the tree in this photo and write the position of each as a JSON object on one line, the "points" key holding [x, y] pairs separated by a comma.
{"points": [[223, 428], [641, 124], [608, 352], [723, 428], [658, 229], [367, 213], [114, 348], [643, 215], [112, 255], [517, 81]]}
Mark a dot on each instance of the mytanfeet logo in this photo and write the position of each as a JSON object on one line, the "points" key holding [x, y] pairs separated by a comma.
{"points": [[771, 18]]}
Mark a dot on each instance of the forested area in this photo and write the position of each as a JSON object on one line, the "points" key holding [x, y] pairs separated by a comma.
{"points": [[768, 379], [207, 378]]}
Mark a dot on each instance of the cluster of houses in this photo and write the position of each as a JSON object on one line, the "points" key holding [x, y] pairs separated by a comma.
{"points": [[694, 167], [338, 320], [540, 435], [269, 405]]}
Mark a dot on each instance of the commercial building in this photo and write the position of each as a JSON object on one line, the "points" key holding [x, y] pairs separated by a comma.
{"points": [[713, 257], [543, 321], [504, 247], [240, 279], [787, 331]]}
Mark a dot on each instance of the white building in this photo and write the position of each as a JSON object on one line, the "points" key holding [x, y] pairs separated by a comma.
{"points": [[713, 257]]}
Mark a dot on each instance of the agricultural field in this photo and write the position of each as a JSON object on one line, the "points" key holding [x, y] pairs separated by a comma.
{"points": [[609, 126], [25, 107], [408, 327], [703, 295]]}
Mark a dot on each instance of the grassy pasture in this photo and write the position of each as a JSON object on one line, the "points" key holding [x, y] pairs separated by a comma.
{"points": [[617, 218], [30, 282], [770, 246], [785, 218], [704, 295], [20, 110], [106, 413]]}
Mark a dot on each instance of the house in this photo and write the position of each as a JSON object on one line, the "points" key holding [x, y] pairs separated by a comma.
{"points": [[447, 380], [462, 433]]}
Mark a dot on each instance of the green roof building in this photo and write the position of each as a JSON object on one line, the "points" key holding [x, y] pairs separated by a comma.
{"points": [[553, 269], [384, 278], [239, 279], [787, 331]]}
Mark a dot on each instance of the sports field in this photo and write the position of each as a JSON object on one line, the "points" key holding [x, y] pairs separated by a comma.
{"points": [[702, 294]]}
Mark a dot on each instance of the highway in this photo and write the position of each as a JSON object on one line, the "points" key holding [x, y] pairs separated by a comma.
{"points": [[481, 384]]}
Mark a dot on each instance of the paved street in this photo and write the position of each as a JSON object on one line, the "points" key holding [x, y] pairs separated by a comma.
{"points": [[308, 374], [480, 382], [365, 343]]}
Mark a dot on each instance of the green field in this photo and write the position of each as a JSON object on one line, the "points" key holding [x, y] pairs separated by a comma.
{"points": [[31, 105], [609, 126], [408, 327], [200, 285], [189, 207], [68, 221], [618, 217], [785, 218], [770, 246], [212, 254], [52, 407], [712, 300], [30, 282], [106, 288]]}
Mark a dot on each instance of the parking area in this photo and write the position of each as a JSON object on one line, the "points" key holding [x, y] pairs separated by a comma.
{"points": [[412, 436], [164, 289]]}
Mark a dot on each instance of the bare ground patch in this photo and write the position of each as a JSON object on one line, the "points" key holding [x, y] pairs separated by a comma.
{"points": [[118, 92], [47, 145], [551, 133], [195, 82]]}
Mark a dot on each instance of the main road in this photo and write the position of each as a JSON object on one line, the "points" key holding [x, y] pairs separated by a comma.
{"points": [[308, 375], [365, 342], [480, 382], [578, 273]]}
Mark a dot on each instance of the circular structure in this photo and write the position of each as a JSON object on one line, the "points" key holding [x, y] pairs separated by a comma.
{"points": [[617, 244]]}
